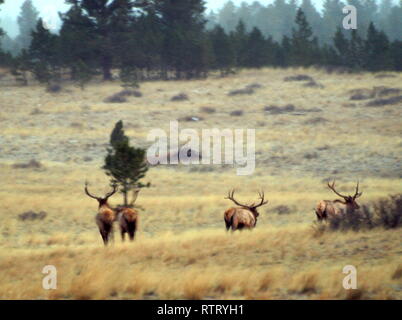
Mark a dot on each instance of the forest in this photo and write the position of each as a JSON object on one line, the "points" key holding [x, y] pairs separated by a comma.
{"points": [[178, 39]]}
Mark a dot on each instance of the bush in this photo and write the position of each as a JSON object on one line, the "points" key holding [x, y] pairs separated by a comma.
{"points": [[299, 77], [180, 97], [116, 98], [241, 92], [33, 164], [54, 88], [384, 213], [237, 113], [32, 216], [384, 102], [207, 110]]}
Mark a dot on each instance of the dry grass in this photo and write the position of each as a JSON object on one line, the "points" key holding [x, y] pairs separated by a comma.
{"points": [[182, 250]]}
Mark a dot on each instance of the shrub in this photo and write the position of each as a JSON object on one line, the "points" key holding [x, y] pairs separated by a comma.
{"points": [[384, 102], [54, 88], [241, 92], [32, 216], [180, 97], [299, 77], [33, 164], [207, 110], [237, 113], [385, 213], [116, 98]]}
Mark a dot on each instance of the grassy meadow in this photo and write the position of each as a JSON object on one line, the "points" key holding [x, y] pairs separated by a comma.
{"points": [[182, 250]]}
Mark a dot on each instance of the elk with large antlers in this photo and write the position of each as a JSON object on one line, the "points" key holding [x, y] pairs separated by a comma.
{"points": [[243, 216], [105, 216], [328, 208], [128, 218]]}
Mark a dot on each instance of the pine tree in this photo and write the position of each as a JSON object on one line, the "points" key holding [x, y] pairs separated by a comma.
{"points": [[356, 54], [227, 17], [223, 51], [125, 165], [303, 44], [109, 20], [256, 54], [185, 47], [341, 44], [77, 44], [376, 50], [239, 39], [27, 21], [331, 20], [43, 53]]}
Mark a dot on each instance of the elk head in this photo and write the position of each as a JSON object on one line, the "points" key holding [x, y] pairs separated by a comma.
{"points": [[253, 207], [101, 200], [349, 201]]}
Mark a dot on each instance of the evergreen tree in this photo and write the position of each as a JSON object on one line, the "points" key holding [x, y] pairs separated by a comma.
{"points": [[376, 50], [395, 55], [313, 18], [27, 21], [239, 39], [341, 44], [356, 53], [256, 53], [109, 20], [302, 43], [126, 165], [227, 17], [77, 44], [44, 53], [223, 51], [332, 19], [185, 47]]}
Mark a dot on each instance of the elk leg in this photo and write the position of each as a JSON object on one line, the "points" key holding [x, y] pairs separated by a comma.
{"points": [[227, 223], [123, 233], [131, 230]]}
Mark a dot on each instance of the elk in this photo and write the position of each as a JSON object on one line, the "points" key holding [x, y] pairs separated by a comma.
{"points": [[244, 216], [128, 218], [328, 208], [105, 216]]}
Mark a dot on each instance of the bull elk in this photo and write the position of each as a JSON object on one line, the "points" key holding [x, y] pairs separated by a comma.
{"points": [[328, 208], [128, 218], [105, 216], [244, 216]]}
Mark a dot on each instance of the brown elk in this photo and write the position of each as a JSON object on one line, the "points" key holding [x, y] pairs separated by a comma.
{"points": [[328, 208], [128, 218], [244, 216], [105, 216]]}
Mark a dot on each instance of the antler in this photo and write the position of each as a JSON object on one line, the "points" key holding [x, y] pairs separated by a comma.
{"points": [[87, 192], [253, 206], [108, 195], [262, 195], [357, 193], [231, 197], [135, 196], [332, 187]]}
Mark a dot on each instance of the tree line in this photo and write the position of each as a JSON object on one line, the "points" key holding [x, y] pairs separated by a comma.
{"points": [[170, 39]]}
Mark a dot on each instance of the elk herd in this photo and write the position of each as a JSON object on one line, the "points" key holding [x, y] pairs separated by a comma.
{"points": [[242, 216]]}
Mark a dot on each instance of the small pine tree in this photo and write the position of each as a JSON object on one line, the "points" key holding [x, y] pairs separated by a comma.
{"points": [[125, 165]]}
